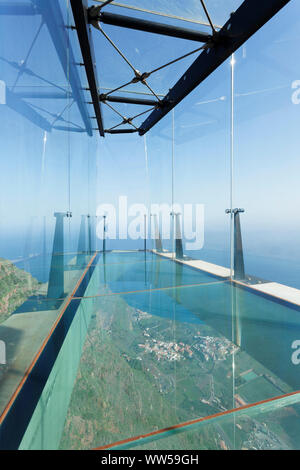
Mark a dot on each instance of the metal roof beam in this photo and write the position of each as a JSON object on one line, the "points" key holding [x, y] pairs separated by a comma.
{"points": [[79, 8], [124, 99], [120, 131], [149, 26]]}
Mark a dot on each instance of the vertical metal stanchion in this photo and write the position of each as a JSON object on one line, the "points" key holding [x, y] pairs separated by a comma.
{"points": [[104, 231], [238, 256], [145, 249], [104, 249], [81, 249], [172, 231], [89, 221], [158, 242], [44, 249], [145, 233], [178, 237], [56, 276]]}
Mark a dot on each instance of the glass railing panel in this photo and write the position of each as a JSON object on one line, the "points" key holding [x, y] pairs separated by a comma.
{"points": [[121, 192], [26, 326], [158, 151], [154, 273], [202, 173], [266, 118], [48, 414], [43, 255]]}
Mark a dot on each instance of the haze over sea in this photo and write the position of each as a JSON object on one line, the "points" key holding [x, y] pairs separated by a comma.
{"points": [[264, 258]]}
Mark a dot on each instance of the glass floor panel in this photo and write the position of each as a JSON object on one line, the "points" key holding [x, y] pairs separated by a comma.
{"points": [[156, 359], [150, 359], [116, 257], [153, 273]]}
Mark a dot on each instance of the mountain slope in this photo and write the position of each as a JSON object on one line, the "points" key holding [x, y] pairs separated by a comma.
{"points": [[16, 286]]}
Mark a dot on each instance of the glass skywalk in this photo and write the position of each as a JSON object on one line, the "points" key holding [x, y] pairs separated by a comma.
{"points": [[112, 336]]}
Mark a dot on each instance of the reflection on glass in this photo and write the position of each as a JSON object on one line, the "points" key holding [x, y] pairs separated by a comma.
{"points": [[272, 426]]}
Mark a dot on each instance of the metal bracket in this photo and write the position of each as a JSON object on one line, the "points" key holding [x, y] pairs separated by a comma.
{"points": [[234, 211], [238, 261]]}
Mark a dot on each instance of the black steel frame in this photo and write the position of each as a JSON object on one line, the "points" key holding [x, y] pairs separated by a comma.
{"points": [[124, 99], [80, 10], [243, 23], [153, 27]]}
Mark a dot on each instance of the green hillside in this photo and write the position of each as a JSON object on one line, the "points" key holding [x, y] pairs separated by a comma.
{"points": [[16, 286]]}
